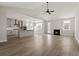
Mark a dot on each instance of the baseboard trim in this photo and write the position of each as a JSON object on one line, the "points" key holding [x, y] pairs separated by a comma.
{"points": [[3, 41]]}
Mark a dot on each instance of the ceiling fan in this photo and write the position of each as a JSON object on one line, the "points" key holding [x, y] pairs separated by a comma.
{"points": [[48, 11]]}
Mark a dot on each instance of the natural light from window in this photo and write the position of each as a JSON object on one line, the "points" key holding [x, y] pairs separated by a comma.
{"points": [[66, 25]]}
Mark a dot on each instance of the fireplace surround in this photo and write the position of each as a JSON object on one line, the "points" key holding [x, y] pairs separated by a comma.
{"points": [[56, 31]]}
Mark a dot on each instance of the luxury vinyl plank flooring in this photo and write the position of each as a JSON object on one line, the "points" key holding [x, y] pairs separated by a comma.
{"points": [[40, 45]]}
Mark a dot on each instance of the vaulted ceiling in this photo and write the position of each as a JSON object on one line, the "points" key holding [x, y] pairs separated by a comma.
{"points": [[37, 9]]}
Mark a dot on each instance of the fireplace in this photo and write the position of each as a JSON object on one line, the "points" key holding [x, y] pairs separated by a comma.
{"points": [[56, 31]]}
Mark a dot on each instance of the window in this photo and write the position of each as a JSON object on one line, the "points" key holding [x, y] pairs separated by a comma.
{"points": [[29, 25], [66, 25]]}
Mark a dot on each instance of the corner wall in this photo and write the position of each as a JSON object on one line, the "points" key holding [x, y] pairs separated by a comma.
{"points": [[3, 32], [77, 24], [77, 27]]}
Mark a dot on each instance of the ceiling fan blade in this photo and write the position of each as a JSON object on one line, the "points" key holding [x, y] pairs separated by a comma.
{"points": [[52, 11], [49, 13]]}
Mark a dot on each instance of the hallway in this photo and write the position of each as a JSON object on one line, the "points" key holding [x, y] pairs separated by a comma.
{"points": [[40, 45]]}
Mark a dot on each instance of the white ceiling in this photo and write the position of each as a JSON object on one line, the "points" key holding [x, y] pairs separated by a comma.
{"points": [[37, 9]]}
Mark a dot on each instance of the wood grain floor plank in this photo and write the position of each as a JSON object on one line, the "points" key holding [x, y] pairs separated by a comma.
{"points": [[40, 45]]}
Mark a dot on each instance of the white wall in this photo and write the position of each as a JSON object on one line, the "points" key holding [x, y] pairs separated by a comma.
{"points": [[3, 34], [58, 24], [45, 26], [77, 25]]}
